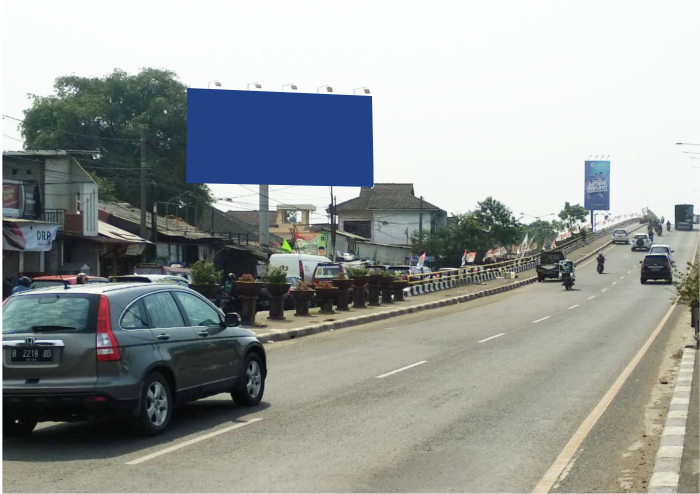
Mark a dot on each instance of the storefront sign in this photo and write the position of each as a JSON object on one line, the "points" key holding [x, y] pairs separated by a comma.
{"points": [[32, 237]]}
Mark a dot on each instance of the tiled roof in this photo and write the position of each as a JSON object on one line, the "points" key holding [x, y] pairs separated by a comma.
{"points": [[171, 226], [386, 196], [253, 217]]}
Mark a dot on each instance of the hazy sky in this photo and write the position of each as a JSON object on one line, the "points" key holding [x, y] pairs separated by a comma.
{"points": [[470, 98]]}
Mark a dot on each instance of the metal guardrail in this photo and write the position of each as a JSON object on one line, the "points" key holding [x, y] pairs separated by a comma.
{"points": [[498, 270]]}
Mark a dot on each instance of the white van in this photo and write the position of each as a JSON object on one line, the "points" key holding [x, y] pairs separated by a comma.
{"points": [[300, 265]]}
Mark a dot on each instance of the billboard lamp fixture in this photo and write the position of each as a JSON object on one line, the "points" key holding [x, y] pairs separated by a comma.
{"points": [[366, 90], [257, 85], [293, 86], [328, 88]]}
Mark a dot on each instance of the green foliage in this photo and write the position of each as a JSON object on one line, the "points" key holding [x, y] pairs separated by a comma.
{"points": [[105, 188], [490, 225], [688, 285], [542, 230], [205, 273], [572, 214], [357, 272], [107, 115], [274, 275]]}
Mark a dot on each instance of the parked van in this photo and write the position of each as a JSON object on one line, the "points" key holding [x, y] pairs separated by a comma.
{"points": [[300, 265], [175, 270]]}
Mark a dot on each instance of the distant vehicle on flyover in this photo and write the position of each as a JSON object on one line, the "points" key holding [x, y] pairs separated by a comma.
{"points": [[684, 217]]}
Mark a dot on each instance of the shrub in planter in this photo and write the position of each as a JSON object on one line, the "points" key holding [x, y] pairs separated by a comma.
{"points": [[274, 275], [247, 286], [206, 278]]}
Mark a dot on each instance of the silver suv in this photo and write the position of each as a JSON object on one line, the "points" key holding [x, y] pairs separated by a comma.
{"points": [[134, 350]]}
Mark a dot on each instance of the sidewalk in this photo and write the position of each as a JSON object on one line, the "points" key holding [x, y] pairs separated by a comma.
{"points": [[294, 326]]}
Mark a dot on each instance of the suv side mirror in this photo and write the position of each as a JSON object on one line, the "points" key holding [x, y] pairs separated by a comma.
{"points": [[640, 262], [232, 320]]}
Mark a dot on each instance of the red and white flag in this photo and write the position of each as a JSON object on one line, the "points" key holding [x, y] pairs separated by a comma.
{"points": [[421, 260], [471, 256], [464, 259]]}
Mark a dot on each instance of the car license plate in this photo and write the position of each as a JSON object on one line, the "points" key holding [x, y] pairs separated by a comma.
{"points": [[31, 354], [655, 268]]}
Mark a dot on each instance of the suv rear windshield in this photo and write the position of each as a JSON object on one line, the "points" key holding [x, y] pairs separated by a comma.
{"points": [[641, 235], [659, 249], [327, 272], [47, 313], [655, 260], [552, 257], [620, 232], [47, 283]]}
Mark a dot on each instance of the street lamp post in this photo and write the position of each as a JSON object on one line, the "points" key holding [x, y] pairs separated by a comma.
{"points": [[328, 88], [217, 83], [538, 217], [294, 88], [257, 85], [363, 87], [686, 144]]}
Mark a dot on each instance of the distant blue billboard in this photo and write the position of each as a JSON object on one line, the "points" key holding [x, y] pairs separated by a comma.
{"points": [[256, 137], [597, 186]]}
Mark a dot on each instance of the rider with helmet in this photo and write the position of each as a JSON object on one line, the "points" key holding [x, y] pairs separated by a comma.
{"points": [[23, 285]]}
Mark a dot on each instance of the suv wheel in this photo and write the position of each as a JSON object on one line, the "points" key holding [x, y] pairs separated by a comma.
{"points": [[156, 405], [250, 388], [643, 281], [17, 427]]}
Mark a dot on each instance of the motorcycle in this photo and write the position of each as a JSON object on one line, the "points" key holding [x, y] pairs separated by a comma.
{"points": [[566, 273], [600, 266], [668, 226]]}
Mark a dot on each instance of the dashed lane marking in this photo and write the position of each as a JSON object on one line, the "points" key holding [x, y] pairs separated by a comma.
{"points": [[491, 338], [540, 320], [573, 307], [401, 369], [591, 298], [604, 290], [192, 441]]}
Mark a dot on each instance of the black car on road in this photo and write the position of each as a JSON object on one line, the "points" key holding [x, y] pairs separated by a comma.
{"points": [[133, 350], [656, 267]]}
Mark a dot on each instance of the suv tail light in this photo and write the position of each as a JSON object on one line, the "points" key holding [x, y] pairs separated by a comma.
{"points": [[301, 269], [106, 345], [668, 266]]}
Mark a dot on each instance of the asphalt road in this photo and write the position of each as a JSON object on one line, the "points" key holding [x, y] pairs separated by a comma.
{"points": [[497, 388]]}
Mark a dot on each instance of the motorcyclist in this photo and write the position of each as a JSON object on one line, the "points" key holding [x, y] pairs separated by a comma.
{"points": [[23, 285], [230, 290], [81, 279], [601, 258], [651, 235], [668, 226]]}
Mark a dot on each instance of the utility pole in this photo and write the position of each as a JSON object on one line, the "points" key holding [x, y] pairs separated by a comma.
{"points": [[154, 215], [144, 233], [333, 228], [420, 223], [264, 203]]}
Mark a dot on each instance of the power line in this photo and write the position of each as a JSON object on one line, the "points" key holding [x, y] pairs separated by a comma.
{"points": [[13, 138]]}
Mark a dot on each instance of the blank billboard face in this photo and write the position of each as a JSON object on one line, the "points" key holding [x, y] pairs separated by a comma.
{"points": [[256, 137]]}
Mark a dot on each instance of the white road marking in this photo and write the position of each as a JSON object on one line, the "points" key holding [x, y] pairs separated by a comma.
{"points": [[622, 277], [573, 307], [192, 441], [539, 320], [628, 272], [487, 339], [604, 290], [591, 298], [401, 369], [614, 283]]}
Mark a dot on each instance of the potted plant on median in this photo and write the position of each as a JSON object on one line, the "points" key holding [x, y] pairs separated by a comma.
{"points": [[343, 285], [302, 295], [359, 280], [248, 286], [326, 294], [206, 278], [400, 282], [275, 279]]}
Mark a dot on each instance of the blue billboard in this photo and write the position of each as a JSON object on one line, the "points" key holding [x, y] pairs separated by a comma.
{"points": [[275, 138], [597, 186]]}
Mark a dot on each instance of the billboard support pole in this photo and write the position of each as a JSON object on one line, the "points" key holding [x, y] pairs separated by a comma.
{"points": [[592, 223]]}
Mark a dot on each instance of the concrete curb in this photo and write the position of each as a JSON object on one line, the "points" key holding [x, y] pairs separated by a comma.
{"points": [[290, 334], [667, 467]]}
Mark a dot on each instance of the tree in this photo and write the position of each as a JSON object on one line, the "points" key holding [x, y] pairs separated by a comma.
{"points": [[490, 225], [107, 115], [572, 213], [542, 230]]}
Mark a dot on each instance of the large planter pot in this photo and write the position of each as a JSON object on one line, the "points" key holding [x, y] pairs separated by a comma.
{"points": [[343, 296], [209, 291], [387, 283], [249, 289], [277, 291], [359, 292], [375, 279], [248, 296], [326, 296], [398, 290], [360, 281], [301, 300]]}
